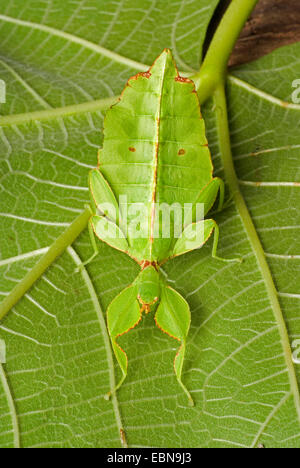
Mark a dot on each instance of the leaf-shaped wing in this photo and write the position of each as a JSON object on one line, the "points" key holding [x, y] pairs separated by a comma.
{"points": [[155, 150]]}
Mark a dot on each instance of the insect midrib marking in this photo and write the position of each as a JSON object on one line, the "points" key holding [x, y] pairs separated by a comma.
{"points": [[155, 167]]}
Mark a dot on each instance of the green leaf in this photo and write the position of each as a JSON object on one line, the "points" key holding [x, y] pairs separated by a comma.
{"points": [[62, 55], [59, 361]]}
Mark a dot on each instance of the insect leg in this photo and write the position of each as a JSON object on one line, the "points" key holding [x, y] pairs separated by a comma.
{"points": [[215, 246], [173, 317], [208, 197], [123, 314], [196, 235], [222, 204], [221, 192], [94, 245], [109, 232], [102, 197], [221, 188], [93, 242]]}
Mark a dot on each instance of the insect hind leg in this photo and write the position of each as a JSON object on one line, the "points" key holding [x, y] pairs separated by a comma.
{"points": [[215, 247], [123, 314], [173, 317]]}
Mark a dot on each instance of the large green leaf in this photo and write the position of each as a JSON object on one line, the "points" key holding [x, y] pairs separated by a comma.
{"points": [[59, 362], [56, 55]]}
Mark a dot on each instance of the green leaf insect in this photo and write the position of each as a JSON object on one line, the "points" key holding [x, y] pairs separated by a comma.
{"points": [[155, 153]]}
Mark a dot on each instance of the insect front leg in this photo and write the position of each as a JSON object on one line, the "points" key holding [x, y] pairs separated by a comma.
{"points": [[109, 232], [215, 246], [94, 245], [220, 188], [103, 199], [211, 193], [208, 197], [196, 235], [105, 227]]}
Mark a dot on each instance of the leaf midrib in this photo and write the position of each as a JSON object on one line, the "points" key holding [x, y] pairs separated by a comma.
{"points": [[77, 40], [28, 88], [12, 408], [262, 94]]}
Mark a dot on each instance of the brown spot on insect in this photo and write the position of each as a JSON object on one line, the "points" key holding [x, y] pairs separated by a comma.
{"points": [[132, 149], [285, 104], [181, 152], [146, 307], [146, 74], [123, 437], [181, 79], [145, 263], [297, 184]]}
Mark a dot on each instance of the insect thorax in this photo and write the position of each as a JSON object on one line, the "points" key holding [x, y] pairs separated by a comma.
{"points": [[148, 283]]}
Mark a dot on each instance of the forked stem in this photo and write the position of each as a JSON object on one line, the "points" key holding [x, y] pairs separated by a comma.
{"points": [[214, 67]]}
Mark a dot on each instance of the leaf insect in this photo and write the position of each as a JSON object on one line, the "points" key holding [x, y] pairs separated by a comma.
{"points": [[155, 152]]}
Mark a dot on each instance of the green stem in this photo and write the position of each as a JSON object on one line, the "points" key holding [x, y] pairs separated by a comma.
{"points": [[56, 249], [231, 178], [12, 407], [90, 106], [215, 63]]}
